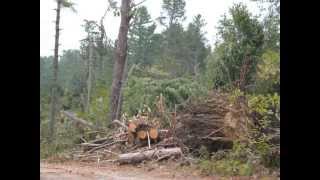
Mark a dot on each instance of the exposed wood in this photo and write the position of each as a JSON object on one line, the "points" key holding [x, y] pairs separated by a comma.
{"points": [[105, 145], [132, 127], [74, 118], [90, 144], [213, 132], [142, 134], [99, 141], [120, 123], [219, 139], [154, 133], [148, 140], [110, 152], [131, 158]]}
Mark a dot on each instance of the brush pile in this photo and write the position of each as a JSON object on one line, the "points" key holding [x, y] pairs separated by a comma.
{"points": [[133, 142], [214, 123]]}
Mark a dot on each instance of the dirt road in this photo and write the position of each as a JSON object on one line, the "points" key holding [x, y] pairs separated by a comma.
{"points": [[77, 171], [90, 171]]}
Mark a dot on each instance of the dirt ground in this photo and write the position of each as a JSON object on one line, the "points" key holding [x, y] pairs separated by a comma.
{"points": [[90, 171], [82, 171]]}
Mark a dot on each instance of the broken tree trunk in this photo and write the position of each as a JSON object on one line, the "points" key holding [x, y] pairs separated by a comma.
{"points": [[120, 59], [74, 118], [132, 158]]}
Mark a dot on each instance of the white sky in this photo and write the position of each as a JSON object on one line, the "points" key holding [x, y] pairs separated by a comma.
{"points": [[72, 32]]}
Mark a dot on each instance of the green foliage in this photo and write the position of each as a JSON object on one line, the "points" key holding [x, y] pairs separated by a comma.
{"points": [[268, 75], [65, 138], [99, 106], [266, 111], [204, 153], [240, 39], [68, 4], [144, 91], [235, 94], [140, 42], [229, 163], [226, 167], [267, 108], [46, 75], [196, 49], [173, 12]]}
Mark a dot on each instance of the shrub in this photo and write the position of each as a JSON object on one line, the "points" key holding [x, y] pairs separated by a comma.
{"points": [[226, 167], [144, 91]]}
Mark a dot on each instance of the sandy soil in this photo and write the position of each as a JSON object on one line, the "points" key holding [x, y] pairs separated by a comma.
{"points": [[82, 171], [90, 171]]}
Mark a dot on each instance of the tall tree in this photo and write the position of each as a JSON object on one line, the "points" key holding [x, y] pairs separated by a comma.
{"points": [[196, 50], [140, 35], [173, 12], [91, 27], [172, 15], [54, 97], [238, 48], [120, 58]]}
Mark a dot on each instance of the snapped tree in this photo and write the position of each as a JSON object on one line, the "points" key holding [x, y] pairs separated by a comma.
{"points": [[54, 88]]}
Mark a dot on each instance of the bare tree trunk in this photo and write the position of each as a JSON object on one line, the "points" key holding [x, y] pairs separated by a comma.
{"points": [[89, 81], [120, 60], [119, 108], [54, 97]]}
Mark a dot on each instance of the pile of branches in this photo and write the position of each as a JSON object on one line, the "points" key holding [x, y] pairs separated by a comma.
{"points": [[215, 123], [133, 142]]}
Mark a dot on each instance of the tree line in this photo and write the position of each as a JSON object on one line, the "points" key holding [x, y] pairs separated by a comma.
{"points": [[104, 78]]}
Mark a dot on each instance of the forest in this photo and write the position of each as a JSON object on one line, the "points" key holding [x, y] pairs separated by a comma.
{"points": [[168, 77]]}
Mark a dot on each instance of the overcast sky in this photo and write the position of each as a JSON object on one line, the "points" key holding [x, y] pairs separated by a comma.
{"points": [[71, 22]]}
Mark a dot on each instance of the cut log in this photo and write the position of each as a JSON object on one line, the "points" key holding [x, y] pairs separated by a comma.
{"points": [[132, 158], [132, 127], [142, 134], [74, 118], [153, 132]]}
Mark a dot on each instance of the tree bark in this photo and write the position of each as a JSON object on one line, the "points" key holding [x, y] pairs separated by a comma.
{"points": [[89, 81], [120, 60], [54, 87], [131, 158]]}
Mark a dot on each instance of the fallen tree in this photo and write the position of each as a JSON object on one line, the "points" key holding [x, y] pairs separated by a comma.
{"points": [[158, 154], [77, 120]]}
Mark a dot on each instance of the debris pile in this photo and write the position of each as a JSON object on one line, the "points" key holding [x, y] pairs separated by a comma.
{"points": [[214, 123]]}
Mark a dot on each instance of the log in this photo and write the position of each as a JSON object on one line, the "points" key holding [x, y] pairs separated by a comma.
{"points": [[132, 158], [99, 141], [120, 123], [73, 117], [154, 133], [132, 127], [142, 134], [90, 145]]}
